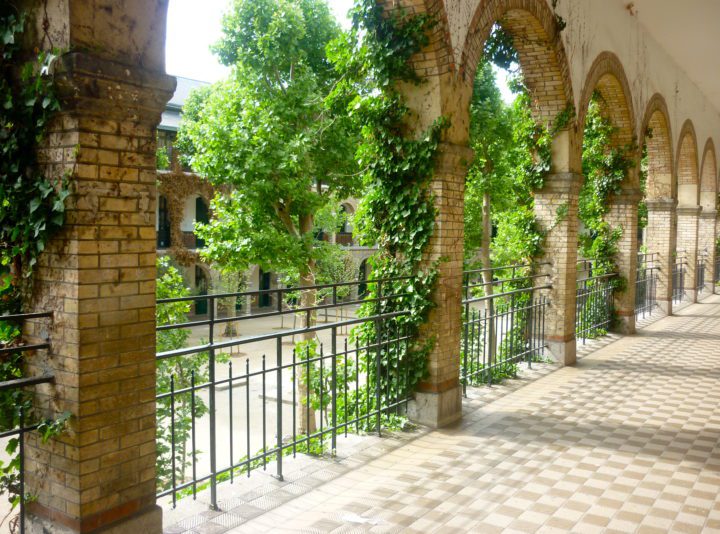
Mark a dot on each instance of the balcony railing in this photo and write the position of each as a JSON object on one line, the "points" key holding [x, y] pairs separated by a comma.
{"points": [[220, 418], [19, 423], [503, 324], [678, 279], [594, 302], [646, 285]]}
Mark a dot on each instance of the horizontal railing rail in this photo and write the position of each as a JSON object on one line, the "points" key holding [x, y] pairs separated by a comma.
{"points": [[503, 322], [20, 425], [298, 388], [594, 302]]}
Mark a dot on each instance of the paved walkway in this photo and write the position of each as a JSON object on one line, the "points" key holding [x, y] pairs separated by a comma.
{"points": [[626, 441]]}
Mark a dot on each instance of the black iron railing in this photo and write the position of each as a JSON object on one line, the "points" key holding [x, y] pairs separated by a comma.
{"points": [[678, 278], [716, 277], [700, 274], [504, 323], [297, 388], [594, 302], [18, 424], [646, 285]]}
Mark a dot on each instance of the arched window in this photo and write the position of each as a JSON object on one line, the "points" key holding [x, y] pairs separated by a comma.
{"points": [[202, 215], [346, 212], [201, 288], [362, 278], [163, 228]]}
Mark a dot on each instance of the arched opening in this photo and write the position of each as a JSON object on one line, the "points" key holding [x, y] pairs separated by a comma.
{"points": [[344, 235], [657, 212], [362, 279], [202, 215], [202, 287], [688, 214], [608, 202], [708, 218], [509, 206], [163, 223], [265, 280]]}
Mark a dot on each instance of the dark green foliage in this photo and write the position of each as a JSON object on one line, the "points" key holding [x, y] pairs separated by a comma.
{"points": [[397, 211], [32, 209], [605, 167]]}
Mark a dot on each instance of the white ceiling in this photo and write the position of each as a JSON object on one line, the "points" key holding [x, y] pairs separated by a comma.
{"points": [[689, 30]]}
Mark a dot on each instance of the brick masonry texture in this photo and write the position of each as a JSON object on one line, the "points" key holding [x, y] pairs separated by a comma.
{"points": [[99, 279]]}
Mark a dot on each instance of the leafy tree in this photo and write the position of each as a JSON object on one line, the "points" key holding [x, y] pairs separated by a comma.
{"points": [[268, 141], [175, 374]]}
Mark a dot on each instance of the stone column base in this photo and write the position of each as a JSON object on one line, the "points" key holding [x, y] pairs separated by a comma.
{"points": [[148, 521], [436, 410], [665, 306], [563, 352], [625, 324]]}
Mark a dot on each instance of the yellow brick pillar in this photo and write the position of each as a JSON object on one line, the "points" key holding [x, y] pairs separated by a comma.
{"points": [[706, 246], [98, 276], [660, 239], [687, 242], [623, 215], [556, 210], [438, 399]]}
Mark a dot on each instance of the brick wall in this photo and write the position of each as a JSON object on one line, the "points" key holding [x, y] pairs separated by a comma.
{"points": [[99, 278]]}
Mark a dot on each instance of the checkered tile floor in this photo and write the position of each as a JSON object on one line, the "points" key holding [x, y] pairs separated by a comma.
{"points": [[626, 442]]}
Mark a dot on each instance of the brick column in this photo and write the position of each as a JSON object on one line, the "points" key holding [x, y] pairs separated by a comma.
{"points": [[623, 214], [687, 241], [98, 276], [556, 209], [706, 245], [717, 234], [438, 399], [661, 240]]}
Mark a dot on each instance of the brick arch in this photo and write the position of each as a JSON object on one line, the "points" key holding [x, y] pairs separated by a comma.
{"points": [[708, 177], [607, 76], [661, 179], [536, 37], [687, 165]]}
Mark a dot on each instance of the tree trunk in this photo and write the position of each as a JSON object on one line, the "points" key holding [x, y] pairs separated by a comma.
{"points": [[308, 298], [488, 277]]}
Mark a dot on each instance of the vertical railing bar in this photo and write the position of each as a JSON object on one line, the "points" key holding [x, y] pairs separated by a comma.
{"points": [[213, 423], [333, 389], [232, 434], [279, 425]]}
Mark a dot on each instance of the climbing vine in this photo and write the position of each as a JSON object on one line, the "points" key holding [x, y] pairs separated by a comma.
{"points": [[32, 209], [605, 166], [397, 211]]}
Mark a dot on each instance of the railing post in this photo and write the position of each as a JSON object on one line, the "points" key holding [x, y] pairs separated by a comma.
{"points": [[211, 394], [279, 426], [334, 393]]}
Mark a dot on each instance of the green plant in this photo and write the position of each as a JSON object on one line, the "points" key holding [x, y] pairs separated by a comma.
{"points": [[32, 209], [174, 374], [397, 211], [162, 159]]}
